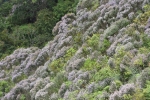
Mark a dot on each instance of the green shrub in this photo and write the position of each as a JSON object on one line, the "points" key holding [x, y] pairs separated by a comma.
{"points": [[25, 27], [120, 53], [78, 39], [5, 9], [144, 50], [45, 22], [143, 17], [63, 7], [72, 95], [104, 46], [91, 64], [94, 41], [90, 5], [5, 87], [146, 41], [58, 64], [68, 83], [93, 96], [56, 82], [127, 97], [125, 74], [118, 84], [70, 52], [59, 79], [114, 28], [106, 88], [146, 91], [22, 97], [138, 95], [23, 35], [104, 73], [138, 62]]}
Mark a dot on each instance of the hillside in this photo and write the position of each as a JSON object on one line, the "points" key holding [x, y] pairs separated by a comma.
{"points": [[27, 23], [100, 53]]}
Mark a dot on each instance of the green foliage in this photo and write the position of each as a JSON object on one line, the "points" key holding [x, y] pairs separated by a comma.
{"points": [[146, 91], [93, 96], [68, 83], [7, 44], [21, 26], [113, 29], [73, 95], [146, 41], [143, 17], [94, 41], [127, 97], [70, 52], [58, 64], [22, 97], [104, 45], [138, 62], [2, 25], [138, 95], [24, 14], [5, 87], [57, 82], [106, 88], [91, 64], [24, 35], [77, 39], [95, 4], [120, 53], [118, 84], [125, 74], [63, 7], [45, 22], [90, 5], [5, 8], [104, 73]]}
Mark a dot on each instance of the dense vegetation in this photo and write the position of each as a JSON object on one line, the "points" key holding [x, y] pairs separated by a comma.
{"points": [[26, 23], [103, 55]]}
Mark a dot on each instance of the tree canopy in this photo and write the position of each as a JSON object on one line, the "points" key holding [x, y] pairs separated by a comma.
{"points": [[25, 23]]}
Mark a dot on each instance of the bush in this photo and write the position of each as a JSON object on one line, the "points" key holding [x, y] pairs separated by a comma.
{"points": [[45, 22], [138, 95], [146, 91], [104, 46], [22, 97], [63, 7], [125, 74], [146, 41], [94, 41], [57, 81], [23, 35], [58, 64], [114, 28], [90, 5], [142, 18], [5, 8], [91, 64], [104, 73], [5, 87]]}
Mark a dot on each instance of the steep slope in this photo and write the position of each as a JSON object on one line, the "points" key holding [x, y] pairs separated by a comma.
{"points": [[101, 53]]}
